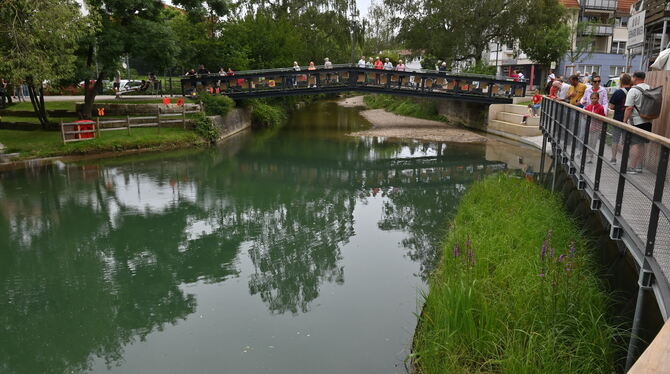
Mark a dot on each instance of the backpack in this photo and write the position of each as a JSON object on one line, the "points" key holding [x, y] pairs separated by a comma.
{"points": [[652, 100]]}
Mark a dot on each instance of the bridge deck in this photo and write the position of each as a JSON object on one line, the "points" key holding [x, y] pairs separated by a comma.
{"points": [[635, 205], [285, 82]]}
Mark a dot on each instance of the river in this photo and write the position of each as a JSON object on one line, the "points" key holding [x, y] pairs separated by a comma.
{"points": [[293, 250]]}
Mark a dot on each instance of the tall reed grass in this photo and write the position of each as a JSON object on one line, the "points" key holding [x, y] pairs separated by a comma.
{"points": [[515, 291]]}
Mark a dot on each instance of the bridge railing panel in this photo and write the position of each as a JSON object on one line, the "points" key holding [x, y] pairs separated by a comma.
{"points": [[343, 78], [624, 171]]}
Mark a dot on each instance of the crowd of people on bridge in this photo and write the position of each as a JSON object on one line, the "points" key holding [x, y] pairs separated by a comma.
{"points": [[10, 91], [587, 92]]}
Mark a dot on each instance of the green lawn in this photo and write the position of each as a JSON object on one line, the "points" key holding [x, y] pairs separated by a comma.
{"points": [[32, 144], [50, 105], [35, 120], [515, 291]]}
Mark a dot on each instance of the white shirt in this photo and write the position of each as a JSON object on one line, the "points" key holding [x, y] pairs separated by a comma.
{"points": [[327, 65], [602, 97], [551, 77], [388, 66], [361, 63], [634, 98], [563, 92], [522, 77]]}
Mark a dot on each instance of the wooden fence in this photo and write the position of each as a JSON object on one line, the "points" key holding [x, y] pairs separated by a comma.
{"points": [[661, 125], [88, 130]]}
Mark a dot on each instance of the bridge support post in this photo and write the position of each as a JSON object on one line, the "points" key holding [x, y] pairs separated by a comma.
{"points": [[544, 153], [555, 155], [644, 284]]}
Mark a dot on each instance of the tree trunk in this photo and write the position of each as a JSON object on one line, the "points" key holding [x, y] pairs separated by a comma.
{"points": [[38, 102], [90, 93]]}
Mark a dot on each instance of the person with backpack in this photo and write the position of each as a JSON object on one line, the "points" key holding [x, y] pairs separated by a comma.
{"points": [[617, 104], [643, 104]]}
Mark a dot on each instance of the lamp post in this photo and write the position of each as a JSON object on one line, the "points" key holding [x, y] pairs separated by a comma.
{"points": [[353, 10]]}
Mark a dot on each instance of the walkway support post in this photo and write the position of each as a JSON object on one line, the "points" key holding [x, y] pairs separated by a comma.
{"points": [[644, 284]]}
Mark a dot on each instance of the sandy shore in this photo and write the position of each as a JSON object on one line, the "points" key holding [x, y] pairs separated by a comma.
{"points": [[351, 102], [385, 124]]}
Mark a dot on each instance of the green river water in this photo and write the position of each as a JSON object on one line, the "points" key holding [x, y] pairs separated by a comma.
{"points": [[296, 250]]}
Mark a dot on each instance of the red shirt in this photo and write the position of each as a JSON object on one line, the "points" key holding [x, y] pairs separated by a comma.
{"points": [[596, 108], [537, 98], [553, 91], [379, 64]]}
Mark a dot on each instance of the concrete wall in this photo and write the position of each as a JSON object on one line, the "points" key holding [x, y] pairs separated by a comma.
{"points": [[468, 114], [237, 120]]}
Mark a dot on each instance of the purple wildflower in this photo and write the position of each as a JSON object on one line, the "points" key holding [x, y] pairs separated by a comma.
{"points": [[541, 275], [561, 257], [573, 249], [551, 252], [543, 251], [455, 249]]}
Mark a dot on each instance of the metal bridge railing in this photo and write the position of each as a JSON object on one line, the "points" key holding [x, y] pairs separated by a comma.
{"points": [[596, 151], [281, 82]]}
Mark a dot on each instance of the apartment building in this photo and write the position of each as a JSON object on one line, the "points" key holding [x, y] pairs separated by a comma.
{"points": [[600, 33], [598, 44]]}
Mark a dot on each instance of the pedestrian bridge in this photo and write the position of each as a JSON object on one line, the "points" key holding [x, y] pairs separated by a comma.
{"points": [[342, 78]]}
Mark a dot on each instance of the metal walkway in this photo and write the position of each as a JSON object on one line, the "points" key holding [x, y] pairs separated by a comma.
{"points": [[634, 204], [342, 78]]}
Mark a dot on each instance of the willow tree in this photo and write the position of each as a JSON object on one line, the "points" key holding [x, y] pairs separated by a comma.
{"points": [[38, 39]]}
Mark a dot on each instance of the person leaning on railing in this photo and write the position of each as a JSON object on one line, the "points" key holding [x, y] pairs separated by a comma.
{"points": [[576, 90], [634, 100], [618, 104]]}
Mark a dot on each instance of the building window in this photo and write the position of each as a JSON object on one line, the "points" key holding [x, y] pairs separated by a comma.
{"points": [[621, 22], [617, 70], [569, 70], [509, 46], [591, 69], [618, 47]]}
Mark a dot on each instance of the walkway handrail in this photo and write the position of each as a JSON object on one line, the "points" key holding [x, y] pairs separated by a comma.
{"points": [[622, 125], [631, 195]]}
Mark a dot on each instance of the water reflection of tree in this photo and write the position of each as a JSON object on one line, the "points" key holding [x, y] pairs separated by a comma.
{"points": [[421, 207], [86, 271]]}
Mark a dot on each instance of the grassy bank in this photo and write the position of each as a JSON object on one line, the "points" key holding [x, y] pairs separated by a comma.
{"points": [[404, 106], [515, 291], [35, 144]]}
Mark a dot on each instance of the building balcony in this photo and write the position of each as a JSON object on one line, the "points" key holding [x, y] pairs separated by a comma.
{"points": [[657, 10], [607, 5], [599, 30]]}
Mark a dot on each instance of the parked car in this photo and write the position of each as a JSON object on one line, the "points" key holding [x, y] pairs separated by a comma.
{"points": [[612, 85], [129, 85]]}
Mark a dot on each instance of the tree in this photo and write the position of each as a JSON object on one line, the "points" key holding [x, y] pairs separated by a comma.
{"points": [[457, 30], [581, 40], [379, 29], [38, 39], [544, 37], [121, 28]]}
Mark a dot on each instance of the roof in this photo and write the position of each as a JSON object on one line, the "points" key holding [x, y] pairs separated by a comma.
{"points": [[569, 3], [623, 6]]}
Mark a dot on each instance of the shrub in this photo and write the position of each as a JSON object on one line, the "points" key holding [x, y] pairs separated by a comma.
{"points": [[216, 105], [266, 115], [204, 127], [404, 106]]}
